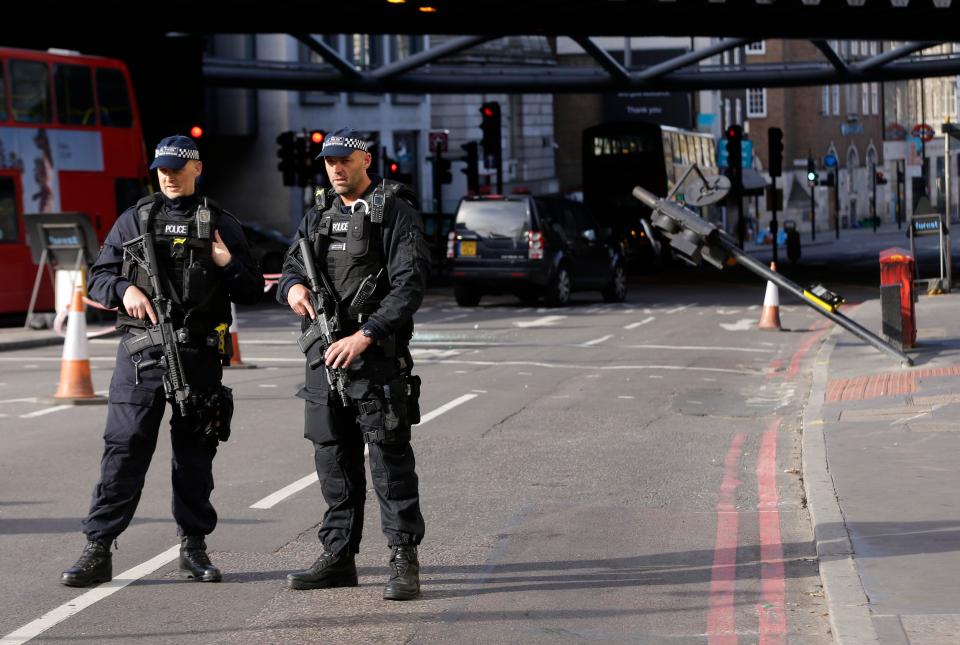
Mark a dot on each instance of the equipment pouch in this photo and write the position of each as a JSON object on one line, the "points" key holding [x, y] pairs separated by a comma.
{"points": [[194, 282], [413, 398], [217, 414], [358, 238], [385, 420]]}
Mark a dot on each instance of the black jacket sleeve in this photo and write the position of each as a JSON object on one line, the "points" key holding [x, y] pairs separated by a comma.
{"points": [[241, 276], [405, 250], [293, 271], [106, 283]]}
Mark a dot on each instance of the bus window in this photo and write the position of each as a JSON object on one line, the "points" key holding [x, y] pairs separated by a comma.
{"points": [[8, 211], [685, 150], [677, 160], [114, 101], [3, 101], [701, 152], [74, 91], [30, 91]]}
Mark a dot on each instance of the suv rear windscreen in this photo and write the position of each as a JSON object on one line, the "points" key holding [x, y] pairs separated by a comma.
{"points": [[502, 219]]}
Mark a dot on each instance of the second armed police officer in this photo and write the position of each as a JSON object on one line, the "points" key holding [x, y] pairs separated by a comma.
{"points": [[365, 235], [203, 264]]}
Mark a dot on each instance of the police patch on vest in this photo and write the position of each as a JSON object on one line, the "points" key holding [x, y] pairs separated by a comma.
{"points": [[341, 227], [176, 229], [337, 246]]}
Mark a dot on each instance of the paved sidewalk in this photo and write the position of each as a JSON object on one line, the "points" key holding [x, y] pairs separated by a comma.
{"points": [[882, 472]]}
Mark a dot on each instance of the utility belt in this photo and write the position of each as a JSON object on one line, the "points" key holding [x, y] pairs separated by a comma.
{"points": [[186, 337]]}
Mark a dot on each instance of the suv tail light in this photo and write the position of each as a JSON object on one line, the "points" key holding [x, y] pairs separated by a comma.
{"points": [[535, 244], [451, 245]]}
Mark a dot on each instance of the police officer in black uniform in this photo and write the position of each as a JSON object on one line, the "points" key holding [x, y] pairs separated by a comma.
{"points": [[204, 264], [362, 231]]}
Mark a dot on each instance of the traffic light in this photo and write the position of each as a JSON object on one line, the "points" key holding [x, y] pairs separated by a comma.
{"points": [[734, 139], [811, 172], [391, 168], [316, 145], [302, 161], [285, 153], [442, 169], [490, 126], [881, 178], [472, 171], [775, 145]]}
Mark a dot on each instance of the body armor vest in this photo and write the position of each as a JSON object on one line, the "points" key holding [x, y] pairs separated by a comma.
{"points": [[349, 246], [188, 275]]}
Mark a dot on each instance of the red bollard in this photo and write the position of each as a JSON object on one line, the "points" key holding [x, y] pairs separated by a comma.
{"points": [[896, 269]]}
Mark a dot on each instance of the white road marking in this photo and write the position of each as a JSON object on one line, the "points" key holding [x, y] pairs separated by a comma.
{"points": [[705, 348], [98, 593], [524, 373], [479, 391], [28, 399], [626, 397], [671, 368], [677, 310], [435, 353], [275, 498], [654, 376], [727, 312], [642, 322], [744, 324], [596, 341], [546, 321], [444, 320], [40, 413], [51, 359], [268, 385]]}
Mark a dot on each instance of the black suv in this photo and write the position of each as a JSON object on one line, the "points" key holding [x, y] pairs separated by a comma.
{"points": [[531, 247]]}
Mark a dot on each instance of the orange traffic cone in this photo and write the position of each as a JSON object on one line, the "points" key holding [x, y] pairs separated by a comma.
{"points": [[770, 317], [236, 360], [76, 385]]}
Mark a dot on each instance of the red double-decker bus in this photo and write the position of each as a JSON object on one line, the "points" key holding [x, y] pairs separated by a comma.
{"points": [[70, 141]]}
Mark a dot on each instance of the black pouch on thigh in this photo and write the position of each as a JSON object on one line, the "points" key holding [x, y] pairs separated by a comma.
{"points": [[382, 413], [214, 412]]}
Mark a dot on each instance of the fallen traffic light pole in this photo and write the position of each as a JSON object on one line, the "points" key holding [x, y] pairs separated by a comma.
{"points": [[695, 239]]}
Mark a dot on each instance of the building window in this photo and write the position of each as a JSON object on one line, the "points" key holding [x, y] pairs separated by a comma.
{"points": [[311, 97], [757, 103], [874, 98], [855, 48], [402, 47], [865, 98], [736, 56], [873, 48], [364, 50], [835, 102], [825, 100], [756, 48]]}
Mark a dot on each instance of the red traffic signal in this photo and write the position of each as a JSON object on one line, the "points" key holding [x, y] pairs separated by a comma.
{"points": [[394, 167], [196, 132], [317, 136]]}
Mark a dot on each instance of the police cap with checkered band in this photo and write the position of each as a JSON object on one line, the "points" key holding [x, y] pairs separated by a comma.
{"points": [[342, 143], [174, 152]]}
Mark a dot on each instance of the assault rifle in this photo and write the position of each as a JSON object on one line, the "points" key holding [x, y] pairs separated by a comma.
{"points": [[325, 327], [142, 251]]}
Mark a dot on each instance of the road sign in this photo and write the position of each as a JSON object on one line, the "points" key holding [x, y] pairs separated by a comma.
{"points": [[926, 224], [923, 131], [830, 161], [437, 136]]}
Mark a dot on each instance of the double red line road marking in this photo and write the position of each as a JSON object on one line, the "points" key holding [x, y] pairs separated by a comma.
{"points": [[721, 616]]}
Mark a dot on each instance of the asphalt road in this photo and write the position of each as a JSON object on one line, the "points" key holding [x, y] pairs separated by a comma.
{"points": [[599, 473]]}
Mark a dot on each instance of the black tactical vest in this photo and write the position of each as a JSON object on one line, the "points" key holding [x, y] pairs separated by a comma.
{"points": [[188, 275], [349, 245]]}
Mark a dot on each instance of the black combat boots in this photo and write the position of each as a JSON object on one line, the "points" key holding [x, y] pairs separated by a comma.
{"points": [[95, 565], [194, 561], [330, 570], [404, 581]]}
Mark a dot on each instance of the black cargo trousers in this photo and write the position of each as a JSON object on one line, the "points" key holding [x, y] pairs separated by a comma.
{"points": [[134, 414], [378, 418]]}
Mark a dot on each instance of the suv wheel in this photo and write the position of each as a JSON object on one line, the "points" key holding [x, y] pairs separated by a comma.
{"points": [[558, 291], [465, 296], [616, 289]]}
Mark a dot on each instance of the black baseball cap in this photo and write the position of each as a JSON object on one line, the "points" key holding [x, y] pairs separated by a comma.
{"points": [[174, 152], [342, 143]]}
